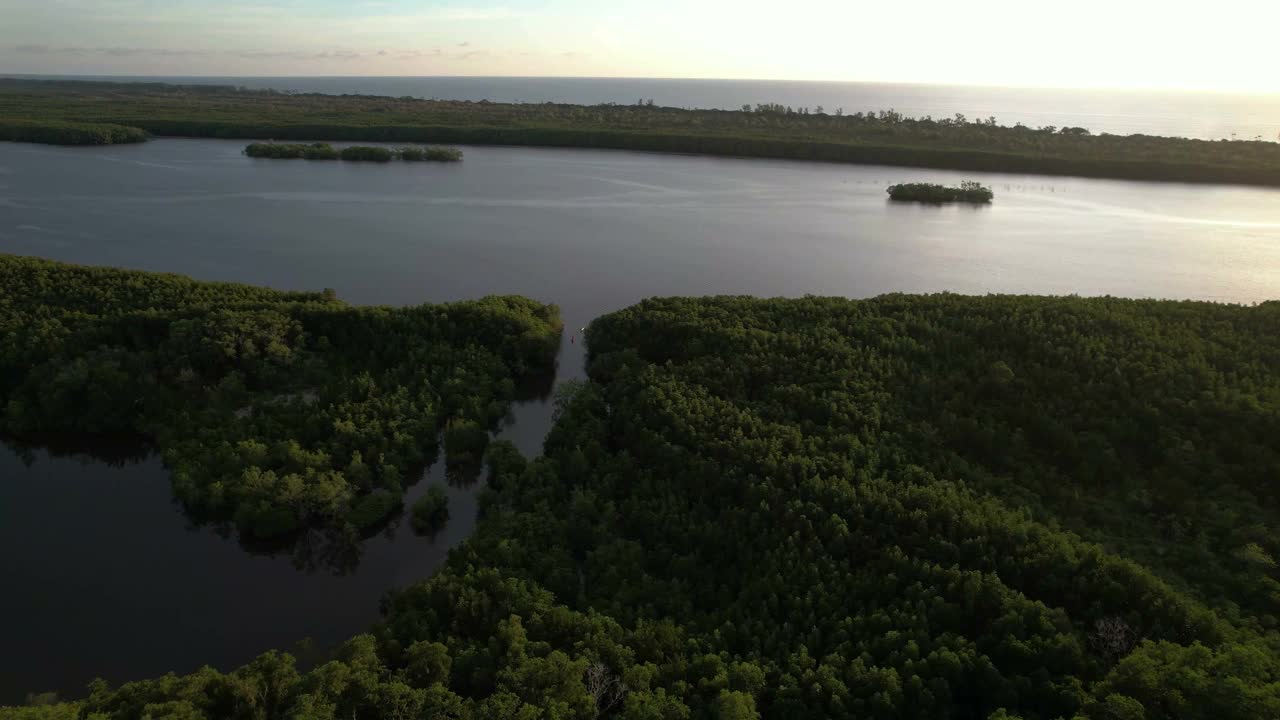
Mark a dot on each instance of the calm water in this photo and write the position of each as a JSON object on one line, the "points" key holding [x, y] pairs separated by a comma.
{"points": [[1123, 112], [104, 576]]}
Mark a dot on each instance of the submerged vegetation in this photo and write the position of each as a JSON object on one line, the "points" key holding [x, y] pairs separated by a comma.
{"points": [[68, 133], [769, 130], [273, 410], [971, 508], [968, 192], [325, 151]]}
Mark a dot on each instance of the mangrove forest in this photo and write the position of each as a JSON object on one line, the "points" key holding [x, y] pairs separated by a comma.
{"points": [[431, 511], [968, 191], [273, 410], [881, 137], [964, 508], [325, 151]]}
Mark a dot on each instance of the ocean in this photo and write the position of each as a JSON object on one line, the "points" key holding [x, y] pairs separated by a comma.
{"points": [[1211, 116]]}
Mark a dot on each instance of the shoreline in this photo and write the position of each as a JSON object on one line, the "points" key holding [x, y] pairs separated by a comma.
{"points": [[767, 131]]}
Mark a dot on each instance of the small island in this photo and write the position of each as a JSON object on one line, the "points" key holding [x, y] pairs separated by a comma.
{"points": [[971, 192], [355, 153]]}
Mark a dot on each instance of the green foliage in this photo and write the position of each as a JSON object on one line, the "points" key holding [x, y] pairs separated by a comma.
{"points": [[273, 410], [906, 507], [505, 463], [56, 132], [374, 509], [292, 151], [65, 711], [367, 154], [431, 511], [879, 504], [464, 441], [735, 706], [412, 154], [435, 154], [427, 663], [325, 151], [1168, 680], [772, 131], [443, 154], [968, 192]]}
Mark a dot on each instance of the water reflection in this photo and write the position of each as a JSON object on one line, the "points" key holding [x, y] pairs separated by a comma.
{"points": [[463, 474], [112, 450], [114, 579], [333, 550]]}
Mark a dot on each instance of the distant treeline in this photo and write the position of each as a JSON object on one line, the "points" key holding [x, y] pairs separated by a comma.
{"points": [[325, 151], [968, 192], [69, 133], [767, 130]]}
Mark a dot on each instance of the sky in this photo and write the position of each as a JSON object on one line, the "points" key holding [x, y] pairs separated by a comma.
{"points": [[1226, 45]]}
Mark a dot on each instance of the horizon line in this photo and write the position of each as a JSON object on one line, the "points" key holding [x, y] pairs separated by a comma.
{"points": [[921, 83]]}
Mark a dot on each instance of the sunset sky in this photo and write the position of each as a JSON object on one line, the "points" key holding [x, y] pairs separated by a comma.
{"points": [[1226, 45]]}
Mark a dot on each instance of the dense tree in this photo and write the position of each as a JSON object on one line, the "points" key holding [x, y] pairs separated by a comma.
{"points": [[968, 192], [292, 151], [325, 151], [907, 507], [274, 410], [367, 153], [431, 511], [57, 132]]}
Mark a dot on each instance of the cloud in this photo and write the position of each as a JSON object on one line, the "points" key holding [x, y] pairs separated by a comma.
{"points": [[247, 21], [464, 52], [157, 52], [109, 51], [410, 54], [420, 21], [342, 54], [564, 54], [475, 14], [338, 54]]}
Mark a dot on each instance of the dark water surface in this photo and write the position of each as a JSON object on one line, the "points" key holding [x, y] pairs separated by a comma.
{"points": [[103, 574], [104, 577], [1205, 115]]}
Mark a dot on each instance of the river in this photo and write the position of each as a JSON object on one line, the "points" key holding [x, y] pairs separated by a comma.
{"points": [[104, 574]]}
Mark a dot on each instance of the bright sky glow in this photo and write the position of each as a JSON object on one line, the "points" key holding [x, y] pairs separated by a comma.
{"points": [[1227, 45]]}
